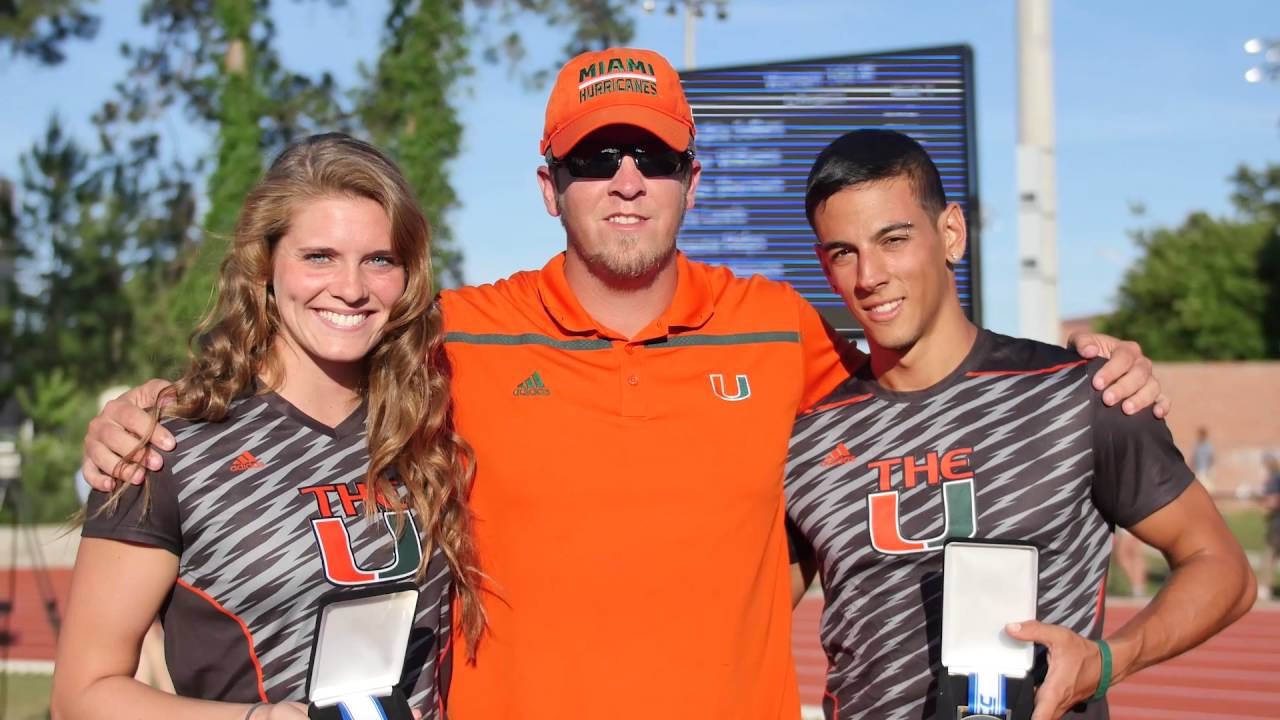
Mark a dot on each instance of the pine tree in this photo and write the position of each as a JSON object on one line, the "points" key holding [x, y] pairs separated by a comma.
{"points": [[408, 110]]}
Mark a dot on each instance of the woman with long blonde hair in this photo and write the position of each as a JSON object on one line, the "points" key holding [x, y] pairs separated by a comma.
{"points": [[316, 452]]}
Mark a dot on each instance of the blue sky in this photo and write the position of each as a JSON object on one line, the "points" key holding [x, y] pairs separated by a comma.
{"points": [[1151, 108]]}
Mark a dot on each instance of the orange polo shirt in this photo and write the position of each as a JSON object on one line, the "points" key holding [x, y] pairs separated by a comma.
{"points": [[628, 497]]}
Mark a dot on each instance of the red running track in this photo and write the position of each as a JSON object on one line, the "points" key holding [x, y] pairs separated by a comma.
{"points": [[1233, 676], [29, 633]]}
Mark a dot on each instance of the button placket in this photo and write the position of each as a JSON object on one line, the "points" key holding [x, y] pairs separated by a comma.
{"points": [[635, 400]]}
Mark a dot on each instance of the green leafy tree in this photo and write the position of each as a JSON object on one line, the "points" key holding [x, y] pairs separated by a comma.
{"points": [[8, 289], [237, 106], [1198, 292], [93, 235], [72, 235], [1257, 196], [1257, 192], [408, 106], [589, 24], [60, 410], [38, 29], [407, 109], [214, 63], [111, 240]]}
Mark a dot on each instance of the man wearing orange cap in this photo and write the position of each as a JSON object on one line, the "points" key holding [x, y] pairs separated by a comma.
{"points": [[630, 411], [631, 518]]}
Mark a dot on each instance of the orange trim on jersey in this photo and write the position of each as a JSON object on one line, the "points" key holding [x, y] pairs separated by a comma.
{"points": [[1097, 610], [1055, 368], [253, 654], [835, 705], [848, 401]]}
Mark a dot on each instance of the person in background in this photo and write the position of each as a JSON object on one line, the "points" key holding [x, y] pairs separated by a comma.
{"points": [[1271, 503], [1131, 557], [1203, 459]]}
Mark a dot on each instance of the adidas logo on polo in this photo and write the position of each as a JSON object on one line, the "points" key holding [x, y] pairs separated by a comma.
{"points": [[532, 385], [839, 456], [246, 461]]}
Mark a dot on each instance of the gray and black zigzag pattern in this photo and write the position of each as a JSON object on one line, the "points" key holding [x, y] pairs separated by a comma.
{"points": [[1026, 441], [248, 541]]}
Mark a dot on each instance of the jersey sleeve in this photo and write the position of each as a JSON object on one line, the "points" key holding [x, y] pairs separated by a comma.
{"points": [[1137, 468], [828, 358], [152, 521]]}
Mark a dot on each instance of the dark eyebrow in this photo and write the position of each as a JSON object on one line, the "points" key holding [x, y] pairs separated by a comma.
{"points": [[894, 227], [834, 244]]}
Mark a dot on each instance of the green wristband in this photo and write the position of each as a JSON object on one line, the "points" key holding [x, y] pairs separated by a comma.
{"points": [[1104, 676]]}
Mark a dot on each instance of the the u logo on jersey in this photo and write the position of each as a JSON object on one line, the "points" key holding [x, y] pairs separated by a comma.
{"points": [[717, 387], [338, 502], [949, 472], [339, 558]]}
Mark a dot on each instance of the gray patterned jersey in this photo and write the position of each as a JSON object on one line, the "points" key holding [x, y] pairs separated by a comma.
{"points": [[1014, 444], [266, 512]]}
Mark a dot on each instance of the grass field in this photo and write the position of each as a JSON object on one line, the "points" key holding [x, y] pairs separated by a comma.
{"points": [[1248, 525], [26, 697]]}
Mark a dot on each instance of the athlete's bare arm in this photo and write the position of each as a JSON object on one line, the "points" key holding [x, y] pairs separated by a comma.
{"points": [[1210, 586], [801, 579], [114, 432], [804, 563], [116, 590]]}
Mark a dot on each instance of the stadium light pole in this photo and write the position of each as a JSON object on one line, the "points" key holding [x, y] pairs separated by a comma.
{"points": [[693, 9], [1037, 170]]}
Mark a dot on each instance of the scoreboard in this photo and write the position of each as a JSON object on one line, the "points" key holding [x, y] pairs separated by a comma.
{"points": [[761, 126]]}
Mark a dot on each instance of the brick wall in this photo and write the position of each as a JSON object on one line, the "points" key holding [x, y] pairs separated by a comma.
{"points": [[1237, 402]]}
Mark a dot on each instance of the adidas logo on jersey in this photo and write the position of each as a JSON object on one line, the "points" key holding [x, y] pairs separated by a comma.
{"points": [[839, 456], [246, 461], [532, 386]]}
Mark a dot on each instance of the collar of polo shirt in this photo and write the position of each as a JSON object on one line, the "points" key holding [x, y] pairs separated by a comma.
{"points": [[690, 309]]}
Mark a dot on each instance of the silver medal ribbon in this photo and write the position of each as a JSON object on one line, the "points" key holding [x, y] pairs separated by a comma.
{"points": [[987, 695], [360, 707]]}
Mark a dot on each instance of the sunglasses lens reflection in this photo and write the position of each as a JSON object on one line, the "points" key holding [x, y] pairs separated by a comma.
{"points": [[603, 163]]}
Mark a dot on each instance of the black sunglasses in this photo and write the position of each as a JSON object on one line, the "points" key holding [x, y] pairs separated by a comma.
{"points": [[604, 162]]}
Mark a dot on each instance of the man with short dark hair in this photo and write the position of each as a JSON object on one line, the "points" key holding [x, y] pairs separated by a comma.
{"points": [[952, 431]]}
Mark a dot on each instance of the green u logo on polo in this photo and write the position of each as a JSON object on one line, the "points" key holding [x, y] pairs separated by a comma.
{"points": [[717, 386]]}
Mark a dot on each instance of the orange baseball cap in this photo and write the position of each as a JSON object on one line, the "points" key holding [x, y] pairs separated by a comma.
{"points": [[617, 86]]}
